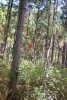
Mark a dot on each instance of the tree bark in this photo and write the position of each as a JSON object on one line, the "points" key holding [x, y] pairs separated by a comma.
{"points": [[64, 54], [7, 24], [16, 51]]}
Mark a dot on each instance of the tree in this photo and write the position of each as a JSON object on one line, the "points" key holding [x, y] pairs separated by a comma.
{"points": [[64, 19], [7, 24], [16, 51]]}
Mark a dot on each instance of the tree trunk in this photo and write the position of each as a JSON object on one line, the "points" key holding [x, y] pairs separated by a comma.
{"points": [[64, 54], [34, 39], [7, 24], [52, 49], [45, 49], [16, 51]]}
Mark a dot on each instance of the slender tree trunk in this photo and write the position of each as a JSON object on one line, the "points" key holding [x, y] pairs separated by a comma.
{"points": [[45, 49], [34, 39], [7, 24], [52, 49], [16, 51], [64, 54], [50, 32], [65, 62]]}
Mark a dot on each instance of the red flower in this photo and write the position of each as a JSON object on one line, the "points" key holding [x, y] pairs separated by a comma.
{"points": [[30, 45]]}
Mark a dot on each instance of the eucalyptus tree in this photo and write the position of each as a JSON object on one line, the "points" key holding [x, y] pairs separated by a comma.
{"points": [[64, 20], [7, 24], [16, 51]]}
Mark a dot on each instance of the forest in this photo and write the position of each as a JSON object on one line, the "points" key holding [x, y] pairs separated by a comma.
{"points": [[33, 49]]}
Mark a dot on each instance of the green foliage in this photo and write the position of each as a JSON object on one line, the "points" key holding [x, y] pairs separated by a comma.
{"points": [[30, 74], [29, 71], [4, 70], [56, 80], [2, 21]]}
